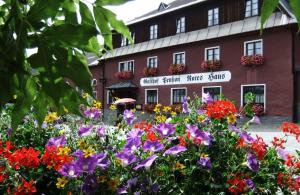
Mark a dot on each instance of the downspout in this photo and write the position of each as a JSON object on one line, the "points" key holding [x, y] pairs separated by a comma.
{"points": [[294, 79]]}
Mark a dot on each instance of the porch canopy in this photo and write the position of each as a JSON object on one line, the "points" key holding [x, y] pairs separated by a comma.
{"points": [[122, 85]]}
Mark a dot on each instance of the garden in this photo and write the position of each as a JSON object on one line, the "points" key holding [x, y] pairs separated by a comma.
{"points": [[198, 150]]}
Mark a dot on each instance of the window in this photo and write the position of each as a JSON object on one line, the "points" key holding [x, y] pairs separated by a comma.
{"points": [[152, 62], [94, 82], [109, 98], [126, 66], [153, 31], [180, 25], [213, 17], [253, 48], [179, 58], [123, 41], [212, 53], [95, 94], [214, 92], [260, 94], [178, 95], [133, 37], [151, 96], [251, 8]]}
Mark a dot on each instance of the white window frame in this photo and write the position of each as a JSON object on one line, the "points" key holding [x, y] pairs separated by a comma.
{"points": [[251, 9], [150, 58], [94, 82], [124, 41], [215, 47], [180, 25], [153, 31], [205, 87], [95, 93], [151, 89], [119, 68], [213, 17], [126, 65], [174, 54], [171, 98], [265, 94], [252, 41]]}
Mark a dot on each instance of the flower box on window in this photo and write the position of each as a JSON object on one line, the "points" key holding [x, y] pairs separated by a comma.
{"points": [[258, 109], [210, 65], [177, 69], [252, 60], [150, 72], [124, 75]]}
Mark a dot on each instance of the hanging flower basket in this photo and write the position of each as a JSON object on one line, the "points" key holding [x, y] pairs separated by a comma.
{"points": [[258, 109], [177, 69], [124, 75], [210, 65], [150, 72], [252, 60]]}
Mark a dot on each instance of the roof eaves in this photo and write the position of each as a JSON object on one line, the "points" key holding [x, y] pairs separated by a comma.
{"points": [[284, 4]]}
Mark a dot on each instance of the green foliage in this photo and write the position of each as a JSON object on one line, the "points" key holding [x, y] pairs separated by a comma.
{"points": [[61, 40]]}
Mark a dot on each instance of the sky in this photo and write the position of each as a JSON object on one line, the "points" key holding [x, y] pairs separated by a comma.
{"points": [[133, 9]]}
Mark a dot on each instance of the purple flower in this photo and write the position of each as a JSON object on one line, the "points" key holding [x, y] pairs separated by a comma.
{"points": [[90, 185], [85, 130], [201, 111], [134, 133], [9, 132], [146, 163], [101, 132], [205, 137], [122, 190], [206, 98], [129, 117], [175, 150], [153, 146], [252, 162], [205, 162], [57, 141], [127, 158], [247, 137], [102, 162], [87, 164], [165, 129], [255, 120], [234, 128], [70, 170], [132, 182], [250, 184], [149, 188], [185, 106], [282, 153], [133, 144], [92, 113]]}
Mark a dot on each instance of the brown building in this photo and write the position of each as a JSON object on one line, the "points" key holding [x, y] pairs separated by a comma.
{"points": [[200, 46]]}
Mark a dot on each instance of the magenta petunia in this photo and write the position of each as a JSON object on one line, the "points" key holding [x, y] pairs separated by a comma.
{"points": [[146, 163], [165, 129], [175, 150], [92, 113], [129, 117], [85, 130], [252, 162], [57, 141], [153, 146]]}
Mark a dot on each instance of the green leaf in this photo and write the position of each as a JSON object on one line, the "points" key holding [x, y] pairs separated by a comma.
{"points": [[43, 10], [268, 8], [295, 4], [86, 15], [40, 107], [110, 2], [71, 35]]}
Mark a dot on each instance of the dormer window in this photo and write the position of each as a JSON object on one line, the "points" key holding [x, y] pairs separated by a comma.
{"points": [[162, 6], [213, 17], [251, 8], [180, 25], [153, 31]]}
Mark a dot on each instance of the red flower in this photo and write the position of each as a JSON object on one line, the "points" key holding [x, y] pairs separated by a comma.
{"points": [[143, 125], [24, 157], [210, 65], [124, 75], [27, 188], [237, 185], [259, 147], [291, 128], [287, 180], [252, 60], [278, 143], [53, 159], [182, 141], [177, 69], [151, 136], [220, 109], [150, 71], [240, 143]]}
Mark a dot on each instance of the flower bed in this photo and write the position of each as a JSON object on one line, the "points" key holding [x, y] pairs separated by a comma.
{"points": [[150, 71], [252, 60], [210, 65], [199, 150], [124, 75], [177, 68]]}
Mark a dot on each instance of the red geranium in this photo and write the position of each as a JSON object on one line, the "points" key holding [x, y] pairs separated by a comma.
{"points": [[150, 71], [291, 128], [27, 188], [124, 75], [237, 185], [210, 65], [278, 142], [220, 109], [151, 136], [259, 147], [28, 158], [287, 180], [53, 159], [252, 60], [177, 69]]}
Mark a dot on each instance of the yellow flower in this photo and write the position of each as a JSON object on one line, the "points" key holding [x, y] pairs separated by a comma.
{"points": [[133, 110], [97, 104], [179, 166], [102, 179], [64, 151], [173, 114], [187, 120], [61, 132], [201, 118], [157, 108], [167, 109], [88, 152], [66, 110], [231, 119], [61, 182], [14, 97], [81, 144], [85, 95], [52, 116], [142, 113], [113, 184], [161, 118], [112, 107]]}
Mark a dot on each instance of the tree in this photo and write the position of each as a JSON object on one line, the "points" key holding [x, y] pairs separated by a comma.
{"points": [[61, 31]]}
